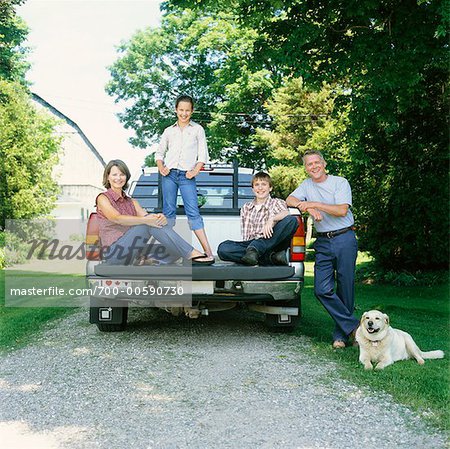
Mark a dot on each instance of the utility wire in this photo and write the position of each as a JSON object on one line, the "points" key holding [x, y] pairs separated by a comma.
{"points": [[196, 112]]}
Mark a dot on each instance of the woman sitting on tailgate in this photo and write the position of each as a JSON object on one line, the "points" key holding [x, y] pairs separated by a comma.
{"points": [[125, 227]]}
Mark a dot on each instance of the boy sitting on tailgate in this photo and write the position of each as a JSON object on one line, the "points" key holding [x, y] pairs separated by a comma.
{"points": [[267, 228]]}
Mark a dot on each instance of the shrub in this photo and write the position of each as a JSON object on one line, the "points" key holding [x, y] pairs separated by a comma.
{"points": [[371, 273]]}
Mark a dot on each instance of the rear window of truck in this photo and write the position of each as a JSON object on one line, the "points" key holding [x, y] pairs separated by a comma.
{"points": [[218, 191]]}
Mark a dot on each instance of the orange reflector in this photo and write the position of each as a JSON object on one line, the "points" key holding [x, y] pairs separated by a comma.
{"points": [[298, 241], [297, 249], [92, 239]]}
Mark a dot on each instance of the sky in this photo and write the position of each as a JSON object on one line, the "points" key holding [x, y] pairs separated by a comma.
{"points": [[72, 44]]}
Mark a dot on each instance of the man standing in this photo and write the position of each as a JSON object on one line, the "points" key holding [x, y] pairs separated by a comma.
{"points": [[328, 199]]}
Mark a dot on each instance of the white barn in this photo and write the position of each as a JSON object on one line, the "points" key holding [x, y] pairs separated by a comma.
{"points": [[79, 172]]}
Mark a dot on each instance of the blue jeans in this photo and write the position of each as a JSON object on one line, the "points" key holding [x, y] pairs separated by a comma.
{"points": [[136, 242], [175, 180], [335, 261], [280, 240]]}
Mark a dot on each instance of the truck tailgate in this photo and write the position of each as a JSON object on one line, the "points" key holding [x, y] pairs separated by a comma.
{"points": [[221, 271]]}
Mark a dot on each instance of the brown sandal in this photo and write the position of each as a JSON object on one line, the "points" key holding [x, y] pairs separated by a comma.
{"points": [[197, 260]]}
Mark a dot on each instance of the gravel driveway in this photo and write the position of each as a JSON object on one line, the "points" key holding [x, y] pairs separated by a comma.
{"points": [[219, 382]]}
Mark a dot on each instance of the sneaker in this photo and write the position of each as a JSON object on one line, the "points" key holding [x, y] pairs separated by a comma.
{"points": [[251, 257]]}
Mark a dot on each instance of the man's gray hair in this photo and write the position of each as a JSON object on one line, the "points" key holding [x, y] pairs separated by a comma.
{"points": [[311, 153]]}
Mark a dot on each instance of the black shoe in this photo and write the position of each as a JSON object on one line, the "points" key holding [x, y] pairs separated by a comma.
{"points": [[251, 257], [279, 258]]}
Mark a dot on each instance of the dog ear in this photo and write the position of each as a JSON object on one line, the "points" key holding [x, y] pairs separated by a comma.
{"points": [[363, 317], [386, 318]]}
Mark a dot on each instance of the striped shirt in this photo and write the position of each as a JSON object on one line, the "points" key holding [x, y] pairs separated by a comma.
{"points": [[254, 216], [109, 231]]}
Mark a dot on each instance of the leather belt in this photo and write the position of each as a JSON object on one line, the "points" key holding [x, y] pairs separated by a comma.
{"points": [[331, 234]]}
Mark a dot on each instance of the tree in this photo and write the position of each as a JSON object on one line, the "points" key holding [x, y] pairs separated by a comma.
{"points": [[13, 32], [302, 119], [28, 152], [150, 160], [391, 59], [204, 56], [28, 148]]}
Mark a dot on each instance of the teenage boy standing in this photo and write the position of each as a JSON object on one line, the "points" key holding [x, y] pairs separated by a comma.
{"points": [[267, 228]]}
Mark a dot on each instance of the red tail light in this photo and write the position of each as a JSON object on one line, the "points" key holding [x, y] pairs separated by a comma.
{"points": [[93, 244], [297, 249]]}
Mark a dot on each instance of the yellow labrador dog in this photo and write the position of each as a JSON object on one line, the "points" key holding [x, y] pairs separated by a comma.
{"points": [[382, 344]]}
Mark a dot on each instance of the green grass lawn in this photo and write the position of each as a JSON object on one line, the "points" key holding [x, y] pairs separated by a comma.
{"points": [[421, 311], [18, 325]]}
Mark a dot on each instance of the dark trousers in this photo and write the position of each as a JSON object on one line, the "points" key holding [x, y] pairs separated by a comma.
{"points": [[281, 238], [335, 262]]}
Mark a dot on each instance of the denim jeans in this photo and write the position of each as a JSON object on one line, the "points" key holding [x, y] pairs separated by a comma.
{"points": [[175, 180], [281, 238], [136, 241], [335, 261]]}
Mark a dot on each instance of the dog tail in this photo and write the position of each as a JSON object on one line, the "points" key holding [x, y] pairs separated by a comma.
{"points": [[433, 354]]}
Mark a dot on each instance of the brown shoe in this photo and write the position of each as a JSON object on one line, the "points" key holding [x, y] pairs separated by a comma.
{"points": [[338, 344], [352, 337]]}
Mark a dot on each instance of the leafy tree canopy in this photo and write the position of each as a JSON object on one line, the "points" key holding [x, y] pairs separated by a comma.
{"points": [[391, 61], [13, 32], [208, 57], [303, 119], [28, 151], [28, 147]]}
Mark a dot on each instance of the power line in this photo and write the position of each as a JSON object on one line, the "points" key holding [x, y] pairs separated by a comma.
{"points": [[196, 112]]}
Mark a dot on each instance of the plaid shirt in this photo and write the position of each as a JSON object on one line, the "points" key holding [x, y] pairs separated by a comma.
{"points": [[255, 216]]}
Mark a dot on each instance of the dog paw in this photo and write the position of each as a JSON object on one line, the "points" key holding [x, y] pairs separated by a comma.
{"points": [[368, 366], [380, 366], [420, 361]]}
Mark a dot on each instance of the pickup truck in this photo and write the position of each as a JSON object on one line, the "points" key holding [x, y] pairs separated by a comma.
{"points": [[198, 290]]}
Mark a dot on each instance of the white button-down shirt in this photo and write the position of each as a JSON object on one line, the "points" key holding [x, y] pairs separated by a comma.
{"points": [[182, 148]]}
